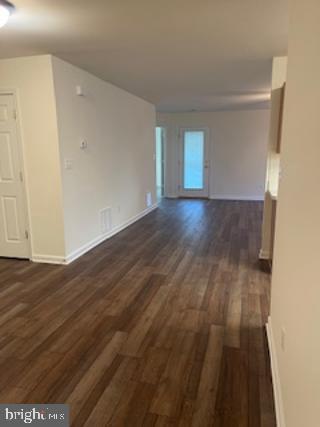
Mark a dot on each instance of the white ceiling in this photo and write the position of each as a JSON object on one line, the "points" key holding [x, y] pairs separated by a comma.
{"points": [[181, 55]]}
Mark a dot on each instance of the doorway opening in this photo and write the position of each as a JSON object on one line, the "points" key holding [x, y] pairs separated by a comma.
{"points": [[160, 131]]}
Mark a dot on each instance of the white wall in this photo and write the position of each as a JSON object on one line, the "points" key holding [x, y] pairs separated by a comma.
{"points": [[296, 279], [118, 167], [116, 170], [32, 79], [238, 149]]}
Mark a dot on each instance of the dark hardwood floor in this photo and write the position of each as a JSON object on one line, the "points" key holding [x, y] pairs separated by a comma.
{"points": [[161, 325]]}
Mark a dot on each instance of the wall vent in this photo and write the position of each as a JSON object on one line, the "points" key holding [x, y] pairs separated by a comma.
{"points": [[105, 220], [149, 199]]}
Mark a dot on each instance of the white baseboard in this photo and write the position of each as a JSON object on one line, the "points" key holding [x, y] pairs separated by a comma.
{"points": [[275, 377], [225, 197], [48, 259], [231, 197], [264, 254], [95, 242]]}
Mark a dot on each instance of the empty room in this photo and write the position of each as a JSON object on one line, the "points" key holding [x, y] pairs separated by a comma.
{"points": [[159, 213]]}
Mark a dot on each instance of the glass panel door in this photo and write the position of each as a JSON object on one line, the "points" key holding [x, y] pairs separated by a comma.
{"points": [[194, 164], [193, 158]]}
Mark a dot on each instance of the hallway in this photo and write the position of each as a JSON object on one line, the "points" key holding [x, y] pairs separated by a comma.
{"points": [[161, 325]]}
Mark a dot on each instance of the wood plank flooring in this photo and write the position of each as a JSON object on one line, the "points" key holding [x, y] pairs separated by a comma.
{"points": [[162, 325]]}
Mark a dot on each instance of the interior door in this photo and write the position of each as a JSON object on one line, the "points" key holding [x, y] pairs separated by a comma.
{"points": [[13, 235], [194, 163]]}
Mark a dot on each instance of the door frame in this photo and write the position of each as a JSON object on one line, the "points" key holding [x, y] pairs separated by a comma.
{"points": [[197, 194], [24, 194], [163, 159]]}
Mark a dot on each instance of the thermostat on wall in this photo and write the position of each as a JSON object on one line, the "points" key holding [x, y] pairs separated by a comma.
{"points": [[83, 144]]}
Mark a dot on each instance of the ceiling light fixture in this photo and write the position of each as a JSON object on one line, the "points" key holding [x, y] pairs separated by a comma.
{"points": [[6, 8]]}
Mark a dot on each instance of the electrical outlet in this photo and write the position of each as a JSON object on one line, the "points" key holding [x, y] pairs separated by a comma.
{"points": [[283, 339], [105, 220]]}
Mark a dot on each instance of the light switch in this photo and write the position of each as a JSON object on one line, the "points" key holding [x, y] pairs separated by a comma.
{"points": [[67, 163]]}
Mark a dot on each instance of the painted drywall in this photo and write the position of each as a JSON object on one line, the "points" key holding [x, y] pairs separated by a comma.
{"points": [[117, 169], [238, 149], [178, 55], [32, 79], [295, 279], [279, 75]]}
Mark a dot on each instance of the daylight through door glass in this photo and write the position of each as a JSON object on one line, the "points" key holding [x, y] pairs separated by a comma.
{"points": [[193, 158]]}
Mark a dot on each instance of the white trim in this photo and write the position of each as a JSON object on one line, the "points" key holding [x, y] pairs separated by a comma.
{"points": [[52, 259], [263, 254], [48, 259], [275, 376], [164, 157], [95, 242], [85, 248], [231, 197]]}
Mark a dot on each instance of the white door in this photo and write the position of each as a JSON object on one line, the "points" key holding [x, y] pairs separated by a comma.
{"points": [[13, 235], [194, 163]]}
